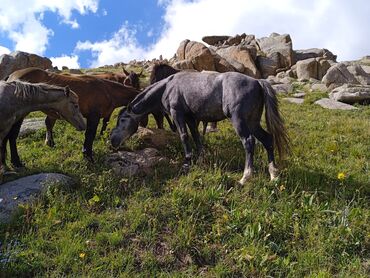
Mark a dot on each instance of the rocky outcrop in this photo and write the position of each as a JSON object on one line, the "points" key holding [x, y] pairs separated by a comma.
{"points": [[21, 60], [351, 94], [342, 73], [314, 68], [215, 40], [304, 54], [25, 190]]}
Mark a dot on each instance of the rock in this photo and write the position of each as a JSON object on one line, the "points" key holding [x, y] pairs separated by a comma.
{"points": [[235, 56], [234, 40], [183, 65], [333, 104], [294, 100], [199, 55], [128, 164], [222, 65], [267, 66], [319, 87], [307, 69], [351, 94], [75, 71], [366, 69], [214, 40], [31, 125], [278, 44], [299, 94], [24, 190], [338, 75], [358, 72], [283, 88], [156, 138], [313, 53], [20, 60]]}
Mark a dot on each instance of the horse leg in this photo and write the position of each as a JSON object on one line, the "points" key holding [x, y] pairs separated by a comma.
{"points": [[49, 123], [170, 123], [248, 142], [2, 167], [192, 124], [144, 121], [105, 124], [179, 120], [90, 133], [158, 116], [267, 141], [12, 137], [205, 124]]}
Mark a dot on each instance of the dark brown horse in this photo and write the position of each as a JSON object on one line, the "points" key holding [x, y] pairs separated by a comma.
{"points": [[97, 99], [126, 78], [161, 71]]}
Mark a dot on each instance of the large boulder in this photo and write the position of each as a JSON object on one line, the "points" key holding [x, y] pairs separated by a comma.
{"points": [[307, 69], [342, 73], [25, 190], [278, 43], [20, 60], [198, 54], [268, 65], [314, 53], [154, 137], [240, 59], [333, 104], [351, 94], [31, 125], [215, 40]]}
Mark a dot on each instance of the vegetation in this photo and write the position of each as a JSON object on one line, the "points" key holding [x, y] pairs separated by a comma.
{"points": [[313, 222]]}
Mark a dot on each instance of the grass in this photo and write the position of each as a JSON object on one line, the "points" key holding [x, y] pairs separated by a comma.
{"points": [[307, 224]]}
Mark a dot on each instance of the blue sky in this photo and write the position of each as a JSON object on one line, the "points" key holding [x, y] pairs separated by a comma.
{"points": [[90, 33]]}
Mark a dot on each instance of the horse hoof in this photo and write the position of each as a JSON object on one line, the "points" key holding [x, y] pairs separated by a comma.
{"points": [[89, 158], [18, 166], [49, 143], [185, 168]]}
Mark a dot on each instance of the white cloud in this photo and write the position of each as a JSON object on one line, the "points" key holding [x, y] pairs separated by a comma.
{"points": [[4, 50], [64, 60], [123, 46], [339, 25], [21, 20]]}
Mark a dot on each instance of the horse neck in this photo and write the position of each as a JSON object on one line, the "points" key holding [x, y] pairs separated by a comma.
{"points": [[121, 95], [149, 101]]}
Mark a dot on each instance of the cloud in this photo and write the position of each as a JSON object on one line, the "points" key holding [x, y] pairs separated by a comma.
{"points": [[21, 20], [123, 46], [4, 50], [64, 60], [339, 25]]}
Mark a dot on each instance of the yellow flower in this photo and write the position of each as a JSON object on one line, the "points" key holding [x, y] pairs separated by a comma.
{"points": [[282, 187], [82, 255], [341, 176]]}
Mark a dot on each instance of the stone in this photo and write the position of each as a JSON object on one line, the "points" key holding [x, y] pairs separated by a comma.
{"points": [[25, 190], [30, 126], [183, 65], [333, 104], [304, 54], [283, 88], [294, 100], [267, 66], [235, 56], [128, 164], [307, 69], [351, 94], [276, 43], [319, 87], [196, 52], [360, 74], [180, 53], [20, 60], [299, 94], [222, 65], [75, 71], [338, 75], [214, 40], [153, 137]]}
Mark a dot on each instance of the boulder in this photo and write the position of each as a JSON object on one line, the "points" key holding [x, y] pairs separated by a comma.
{"points": [[222, 65], [19, 60], [307, 69], [215, 40], [240, 59], [24, 190], [338, 75], [268, 65], [360, 74], [196, 52], [333, 104], [128, 164], [283, 88], [294, 100], [75, 71], [31, 125], [183, 65], [351, 94], [304, 54], [155, 138], [319, 87], [276, 43]]}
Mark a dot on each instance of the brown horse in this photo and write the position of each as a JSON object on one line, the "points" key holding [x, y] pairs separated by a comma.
{"points": [[17, 99], [126, 78], [97, 99]]}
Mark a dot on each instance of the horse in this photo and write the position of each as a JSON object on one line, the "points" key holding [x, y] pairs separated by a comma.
{"points": [[161, 71], [18, 99], [97, 99], [192, 96]]}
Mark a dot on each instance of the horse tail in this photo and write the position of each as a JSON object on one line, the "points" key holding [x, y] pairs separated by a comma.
{"points": [[274, 121]]}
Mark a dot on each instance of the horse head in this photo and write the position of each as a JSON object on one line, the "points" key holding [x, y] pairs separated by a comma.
{"points": [[127, 125]]}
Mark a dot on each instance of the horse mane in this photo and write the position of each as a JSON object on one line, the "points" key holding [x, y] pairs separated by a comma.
{"points": [[161, 71], [28, 91]]}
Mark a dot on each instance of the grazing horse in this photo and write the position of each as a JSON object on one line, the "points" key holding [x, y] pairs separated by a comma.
{"points": [[161, 71], [97, 99], [17, 99], [191, 96]]}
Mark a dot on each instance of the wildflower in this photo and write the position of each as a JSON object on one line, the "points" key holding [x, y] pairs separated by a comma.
{"points": [[282, 187], [82, 255], [341, 176]]}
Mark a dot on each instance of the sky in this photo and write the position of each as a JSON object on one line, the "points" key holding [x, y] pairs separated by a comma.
{"points": [[92, 33]]}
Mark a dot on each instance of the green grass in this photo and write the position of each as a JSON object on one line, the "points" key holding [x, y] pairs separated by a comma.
{"points": [[307, 224]]}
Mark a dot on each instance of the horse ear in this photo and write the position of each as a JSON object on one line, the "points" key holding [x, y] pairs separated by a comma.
{"points": [[125, 71], [67, 91]]}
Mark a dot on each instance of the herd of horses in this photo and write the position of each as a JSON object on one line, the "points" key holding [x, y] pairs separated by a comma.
{"points": [[183, 98]]}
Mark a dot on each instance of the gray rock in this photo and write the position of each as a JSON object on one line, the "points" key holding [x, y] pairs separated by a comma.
{"points": [[283, 88], [338, 75], [294, 100], [24, 190], [31, 125], [351, 94], [333, 104], [304, 54], [268, 65], [214, 40], [319, 87], [299, 94], [307, 69], [128, 164]]}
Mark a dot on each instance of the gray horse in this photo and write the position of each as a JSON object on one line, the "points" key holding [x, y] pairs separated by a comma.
{"points": [[17, 99], [190, 97]]}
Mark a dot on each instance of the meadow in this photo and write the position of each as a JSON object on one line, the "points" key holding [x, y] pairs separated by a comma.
{"points": [[312, 222]]}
